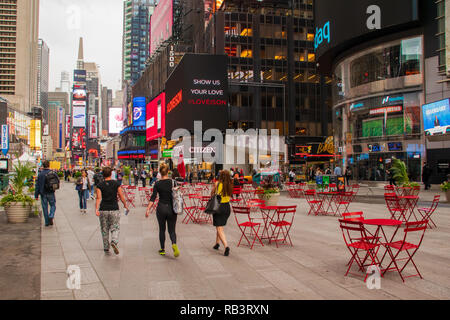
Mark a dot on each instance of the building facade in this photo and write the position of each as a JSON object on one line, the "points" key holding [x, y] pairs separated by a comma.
{"points": [[384, 71], [62, 98], [43, 77], [19, 29], [56, 123]]}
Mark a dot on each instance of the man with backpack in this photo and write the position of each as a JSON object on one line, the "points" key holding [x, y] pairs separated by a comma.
{"points": [[46, 185]]}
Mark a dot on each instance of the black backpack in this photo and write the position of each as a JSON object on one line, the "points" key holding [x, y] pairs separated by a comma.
{"points": [[98, 178], [51, 182]]}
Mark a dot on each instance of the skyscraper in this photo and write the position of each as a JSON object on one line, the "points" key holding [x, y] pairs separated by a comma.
{"points": [[135, 49], [65, 81], [19, 28], [43, 77]]}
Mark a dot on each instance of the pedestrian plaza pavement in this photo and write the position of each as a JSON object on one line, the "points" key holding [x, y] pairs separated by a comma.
{"points": [[313, 268]]}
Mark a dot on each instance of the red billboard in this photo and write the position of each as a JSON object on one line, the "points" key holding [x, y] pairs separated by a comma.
{"points": [[156, 118], [161, 24]]}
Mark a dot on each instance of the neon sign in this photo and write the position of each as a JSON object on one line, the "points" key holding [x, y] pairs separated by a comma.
{"points": [[175, 101], [322, 34]]}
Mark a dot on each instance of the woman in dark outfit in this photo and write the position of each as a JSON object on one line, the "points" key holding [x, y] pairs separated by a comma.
{"points": [[164, 212], [223, 188]]}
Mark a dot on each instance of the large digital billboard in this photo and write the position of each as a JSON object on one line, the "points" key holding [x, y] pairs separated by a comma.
{"points": [[436, 117], [197, 90], [337, 22], [115, 120], [79, 139], [79, 94], [161, 24], [139, 111], [156, 118], [79, 76], [68, 125], [79, 117], [93, 126]]}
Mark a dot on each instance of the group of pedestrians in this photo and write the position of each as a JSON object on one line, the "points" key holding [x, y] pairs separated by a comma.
{"points": [[108, 193]]}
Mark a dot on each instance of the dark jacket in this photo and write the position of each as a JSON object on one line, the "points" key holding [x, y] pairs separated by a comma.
{"points": [[40, 184]]}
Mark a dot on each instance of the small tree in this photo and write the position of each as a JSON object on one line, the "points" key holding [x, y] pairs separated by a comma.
{"points": [[399, 171]]}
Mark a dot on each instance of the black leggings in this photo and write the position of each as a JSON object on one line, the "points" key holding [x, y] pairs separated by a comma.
{"points": [[165, 213]]}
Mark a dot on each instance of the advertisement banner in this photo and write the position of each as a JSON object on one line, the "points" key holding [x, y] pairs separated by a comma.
{"points": [[156, 118], [93, 125], [139, 111], [197, 89], [115, 120], [5, 139], [436, 117], [35, 134], [79, 117], [68, 120], [79, 76], [60, 144], [79, 95], [161, 24], [130, 114], [79, 139]]}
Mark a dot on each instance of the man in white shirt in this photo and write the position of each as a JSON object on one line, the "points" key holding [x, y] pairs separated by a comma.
{"points": [[90, 175], [114, 174], [338, 171]]}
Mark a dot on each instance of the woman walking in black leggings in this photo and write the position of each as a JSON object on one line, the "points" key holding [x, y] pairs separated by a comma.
{"points": [[164, 212]]}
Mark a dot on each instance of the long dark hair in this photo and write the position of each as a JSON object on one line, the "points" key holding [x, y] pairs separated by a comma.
{"points": [[225, 180]]}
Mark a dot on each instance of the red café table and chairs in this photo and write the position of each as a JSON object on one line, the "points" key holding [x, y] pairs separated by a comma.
{"points": [[330, 200], [370, 243], [426, 213], [314, 202]]}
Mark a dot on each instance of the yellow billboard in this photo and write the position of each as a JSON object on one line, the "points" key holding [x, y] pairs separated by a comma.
{"points": [[35, 134]]}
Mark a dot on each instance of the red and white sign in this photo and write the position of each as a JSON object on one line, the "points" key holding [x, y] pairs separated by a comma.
{"points": [[93, 125], [386, 110], [68, 120], [156, 118]]}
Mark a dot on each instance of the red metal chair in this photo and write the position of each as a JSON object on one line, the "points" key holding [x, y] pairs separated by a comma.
{"points": [[389, 189], [130, 196], [281, 225], [427, 212], [356, 240], [393, 204], [332, 187], [143, 196], [314, 202], [245, 222], [415, 230], [343, 202], [353, 216], [191, 208], [203, 217]]}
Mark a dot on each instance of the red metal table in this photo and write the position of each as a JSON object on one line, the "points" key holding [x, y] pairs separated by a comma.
{"points": [[381, 223], [329, 198], [268, 213], [409, 203]]}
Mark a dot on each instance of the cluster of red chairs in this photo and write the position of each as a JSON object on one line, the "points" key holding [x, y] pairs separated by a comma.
{"points": [[329, 203]]}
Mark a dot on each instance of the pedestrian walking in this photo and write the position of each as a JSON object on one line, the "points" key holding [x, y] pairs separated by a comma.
{"points": [[119, 177], [107, 210], [164, 212], [90, 174], [144, 177], [348, 175], [136, 176], [224, 189], [83, 186], [45, 187]]}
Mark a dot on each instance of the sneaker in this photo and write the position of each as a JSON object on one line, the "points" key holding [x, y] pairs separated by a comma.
{"points": [[176, 251], [115, 248], [227, 252], [216, 247], [50, 221], [162, 252]]}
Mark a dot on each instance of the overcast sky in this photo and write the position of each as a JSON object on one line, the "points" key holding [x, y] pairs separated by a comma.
{"points": [[99, 22]]}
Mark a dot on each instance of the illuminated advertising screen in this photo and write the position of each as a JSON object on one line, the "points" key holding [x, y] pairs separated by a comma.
{"points": [[79, 117], [139, 111], [161, 24], [79, 76], [130, 114], [79, 94], [79, 139], [436, 117], [115, 120], [336, 24], [68, 124], [197, 90], [156, 118], [93, 125], [35, 134]]}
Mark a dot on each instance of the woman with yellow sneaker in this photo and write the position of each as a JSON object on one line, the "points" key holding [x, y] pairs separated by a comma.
{"points": [[164, 211]]}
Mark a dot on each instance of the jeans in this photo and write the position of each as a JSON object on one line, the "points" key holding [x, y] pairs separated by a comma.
{"points": [[48, 199], [92, 190], [83, 195]]}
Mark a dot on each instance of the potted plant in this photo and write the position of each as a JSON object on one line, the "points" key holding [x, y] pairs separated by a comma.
{"points": [[17, 204], [446, 188], [269, 191]]}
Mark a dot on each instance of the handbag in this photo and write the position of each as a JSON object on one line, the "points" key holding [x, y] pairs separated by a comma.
{"points": [[177, 199], [213, 205]]}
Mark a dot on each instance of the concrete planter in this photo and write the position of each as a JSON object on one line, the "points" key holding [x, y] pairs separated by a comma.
{"points": [[17, 213], [271, 199]]}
